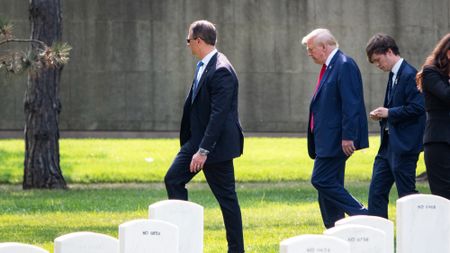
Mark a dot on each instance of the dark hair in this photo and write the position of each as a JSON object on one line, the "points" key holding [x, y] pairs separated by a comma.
{"points": [[204, 30], [437, 59], [380, 43]]}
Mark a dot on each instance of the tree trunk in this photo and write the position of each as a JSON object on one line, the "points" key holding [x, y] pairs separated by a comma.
{"points": [[42, 104]]}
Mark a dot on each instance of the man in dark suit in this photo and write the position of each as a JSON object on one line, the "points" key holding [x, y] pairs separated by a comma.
{"points": [[402, 122], [210, 135], [337, 125]]}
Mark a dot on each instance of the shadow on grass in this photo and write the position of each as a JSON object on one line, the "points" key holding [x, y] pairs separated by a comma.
{"points": [[113, 199], [13, 200], [41, 234]]}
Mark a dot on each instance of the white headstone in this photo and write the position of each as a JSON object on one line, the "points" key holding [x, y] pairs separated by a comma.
{"points": [[361, 238], [314, 244], [86, 242], [373, 221], [144, 236], [187, 216], [423, 224], [14, 247]]}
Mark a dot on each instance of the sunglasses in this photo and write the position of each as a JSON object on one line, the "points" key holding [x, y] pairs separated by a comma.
{"points": [[189, 40]]}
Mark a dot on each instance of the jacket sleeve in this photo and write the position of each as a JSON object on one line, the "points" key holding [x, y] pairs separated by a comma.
{"points": [[222, 88], [350, 93]]}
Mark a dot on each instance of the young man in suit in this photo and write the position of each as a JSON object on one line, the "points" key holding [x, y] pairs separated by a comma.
{"points": [[211, 135], [402, 121], [337, 125]]}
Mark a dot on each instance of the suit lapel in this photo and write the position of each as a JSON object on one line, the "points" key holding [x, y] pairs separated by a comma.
{"points": [[189, 96], [396, 82], [205, 73], [327, 73]]}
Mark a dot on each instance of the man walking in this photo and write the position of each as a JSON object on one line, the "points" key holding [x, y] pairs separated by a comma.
{"points": [[337, 125], [402, 122], [211, 135]]}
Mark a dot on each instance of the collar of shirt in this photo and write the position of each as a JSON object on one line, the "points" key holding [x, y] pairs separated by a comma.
{"points": [[395, 70], [205, 61], [331, 56]]}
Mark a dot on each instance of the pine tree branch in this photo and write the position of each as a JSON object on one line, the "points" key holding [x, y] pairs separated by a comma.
{"points": [[42, 44]]}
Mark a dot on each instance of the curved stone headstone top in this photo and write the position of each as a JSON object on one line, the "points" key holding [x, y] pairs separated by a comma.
{"points": [[373, 221], [423, 224], [86, 242], [361, 238], [188, 216], [144, 236], [314, 243], [15, 247], [179, 204]]}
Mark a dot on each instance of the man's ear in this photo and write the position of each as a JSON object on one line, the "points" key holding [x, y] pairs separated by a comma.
{"points": [[389, 52]]}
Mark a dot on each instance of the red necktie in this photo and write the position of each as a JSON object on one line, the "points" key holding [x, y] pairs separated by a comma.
{"points": [[322, 71]]}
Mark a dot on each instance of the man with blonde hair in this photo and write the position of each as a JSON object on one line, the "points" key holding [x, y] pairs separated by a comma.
{"points": [[337, 125]]}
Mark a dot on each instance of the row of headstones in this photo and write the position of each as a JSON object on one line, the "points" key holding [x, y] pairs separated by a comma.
{"points": [[423, 225], [174, 226]]}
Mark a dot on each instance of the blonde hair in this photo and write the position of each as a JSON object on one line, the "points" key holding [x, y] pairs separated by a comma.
{"points": [[321, 36]]}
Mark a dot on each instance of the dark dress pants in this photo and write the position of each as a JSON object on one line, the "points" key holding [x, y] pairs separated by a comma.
{"points": [[390, 167], [334, 199], [220, 177], [437, 161]]}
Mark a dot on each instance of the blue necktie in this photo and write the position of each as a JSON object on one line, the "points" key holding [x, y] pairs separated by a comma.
{"points": [[199, 65]]}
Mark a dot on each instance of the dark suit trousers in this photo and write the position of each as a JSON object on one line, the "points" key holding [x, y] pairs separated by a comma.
{"points": [[220, 177], [390, 167], [334, 199], [437, 161]]}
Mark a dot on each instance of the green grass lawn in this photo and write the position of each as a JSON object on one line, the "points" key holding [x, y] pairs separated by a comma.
{"points": [[271, 212], [124, 160], [276, 197]]}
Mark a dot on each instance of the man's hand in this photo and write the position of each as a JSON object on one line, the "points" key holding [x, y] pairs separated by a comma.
{"points": [[348, 147], [197, 162], [373, 116], [379, 113]]}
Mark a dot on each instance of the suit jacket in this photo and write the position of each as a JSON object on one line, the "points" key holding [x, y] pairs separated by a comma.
{"points": [[210, 120], [406, 117], [338, 108], [436, 89]]}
